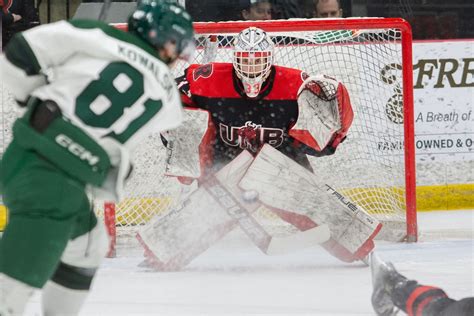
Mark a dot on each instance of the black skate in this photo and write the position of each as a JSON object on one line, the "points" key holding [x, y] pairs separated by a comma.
{"points": [[384, 279]]}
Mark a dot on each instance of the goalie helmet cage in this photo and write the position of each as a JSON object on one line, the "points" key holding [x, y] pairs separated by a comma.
{"points": [[375, 166]]}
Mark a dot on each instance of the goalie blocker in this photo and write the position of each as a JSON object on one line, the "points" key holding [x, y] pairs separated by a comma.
{"points": [[296, 195]]}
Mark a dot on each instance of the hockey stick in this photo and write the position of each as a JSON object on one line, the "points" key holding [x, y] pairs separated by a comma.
{"points": [[224, 188], [268, 243], [104, 10], [210, 49]]}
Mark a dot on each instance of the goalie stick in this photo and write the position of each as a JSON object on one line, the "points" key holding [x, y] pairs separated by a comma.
{"points": [[210, 49], [223, 187], [104, 10]]}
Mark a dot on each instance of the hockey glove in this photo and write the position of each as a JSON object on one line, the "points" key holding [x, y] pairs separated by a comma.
{"points": [[325, 113]]}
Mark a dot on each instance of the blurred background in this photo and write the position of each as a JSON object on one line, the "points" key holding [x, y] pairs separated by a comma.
{"points": [[430, 19]]}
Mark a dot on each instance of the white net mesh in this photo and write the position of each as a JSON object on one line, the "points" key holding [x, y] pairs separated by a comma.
{"points": [[368, 166]]}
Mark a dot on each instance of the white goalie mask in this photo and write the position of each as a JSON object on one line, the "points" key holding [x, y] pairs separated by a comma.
{"points": [[253, 59]]}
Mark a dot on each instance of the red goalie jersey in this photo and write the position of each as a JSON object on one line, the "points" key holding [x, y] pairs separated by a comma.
{"points": [[238, 122]]}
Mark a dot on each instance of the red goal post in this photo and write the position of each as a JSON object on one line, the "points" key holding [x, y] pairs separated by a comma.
{"points": [[339, 47]]}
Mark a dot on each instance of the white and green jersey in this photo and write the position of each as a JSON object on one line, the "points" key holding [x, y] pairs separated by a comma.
{"points": [[107, 82]]}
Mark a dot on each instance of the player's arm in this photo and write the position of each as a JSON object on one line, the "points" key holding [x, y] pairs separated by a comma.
{"points": [[325, 116], [31, 56], [20, 69]]}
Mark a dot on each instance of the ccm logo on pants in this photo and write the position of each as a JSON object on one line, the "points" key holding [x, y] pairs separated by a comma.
{"points": [[76, 149]]}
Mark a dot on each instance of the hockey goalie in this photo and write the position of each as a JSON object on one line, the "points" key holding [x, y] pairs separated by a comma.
{"points": [[256, 123]]}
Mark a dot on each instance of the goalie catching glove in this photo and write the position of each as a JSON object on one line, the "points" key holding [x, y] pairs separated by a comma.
{"points": [[325, 114]]}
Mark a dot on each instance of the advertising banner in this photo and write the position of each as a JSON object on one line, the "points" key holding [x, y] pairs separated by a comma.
{"points": [[443, 81]]}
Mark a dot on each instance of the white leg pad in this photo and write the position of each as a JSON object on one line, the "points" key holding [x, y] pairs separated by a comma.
{"points": [[14, 296], [218, 206], [283, 184], [175, 239], [60, 301]]}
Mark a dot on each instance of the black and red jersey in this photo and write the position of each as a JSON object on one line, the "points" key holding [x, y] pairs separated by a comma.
{"points": [[216, 88]]}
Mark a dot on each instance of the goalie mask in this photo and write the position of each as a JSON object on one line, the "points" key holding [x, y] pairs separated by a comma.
{"points": [[253, 59]]}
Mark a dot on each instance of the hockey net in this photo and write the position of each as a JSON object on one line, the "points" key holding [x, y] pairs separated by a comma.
{"points": [[374, 166]]}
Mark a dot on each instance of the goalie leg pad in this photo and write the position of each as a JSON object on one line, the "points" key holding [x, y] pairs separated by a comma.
{"points": [[174, 240], [171, 241], [283, 184]]}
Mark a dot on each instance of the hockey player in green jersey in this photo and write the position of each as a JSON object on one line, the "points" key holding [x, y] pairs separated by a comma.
{"points": [[90, 92]]}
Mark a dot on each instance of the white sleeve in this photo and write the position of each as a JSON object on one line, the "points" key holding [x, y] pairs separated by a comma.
{"points": [[55, 43], [30, 55], [17, 81]]}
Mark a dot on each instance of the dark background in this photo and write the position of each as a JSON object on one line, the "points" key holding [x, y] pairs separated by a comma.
{"points": [[430, 19]]}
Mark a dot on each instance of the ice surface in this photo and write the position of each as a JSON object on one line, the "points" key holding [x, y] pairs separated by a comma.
{"points": [[235, 278]]}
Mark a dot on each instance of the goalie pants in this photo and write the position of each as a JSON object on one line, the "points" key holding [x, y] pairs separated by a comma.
{"points": [[47, 209]]}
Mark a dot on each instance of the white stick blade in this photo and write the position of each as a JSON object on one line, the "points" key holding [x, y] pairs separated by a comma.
{"points": [[301, 240]]}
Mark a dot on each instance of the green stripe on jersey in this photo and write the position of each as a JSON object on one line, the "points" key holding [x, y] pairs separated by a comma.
{"points": [[115, 33], [19, 53]]}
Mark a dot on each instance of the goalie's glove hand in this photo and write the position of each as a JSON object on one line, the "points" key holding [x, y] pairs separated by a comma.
{"points": [[325, 114], [322, 86]]}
